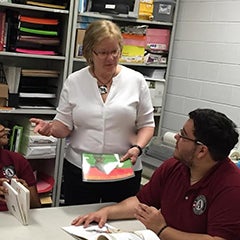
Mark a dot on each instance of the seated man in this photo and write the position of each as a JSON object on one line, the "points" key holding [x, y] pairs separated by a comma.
{"points": [[193, 196], [13, 164]]}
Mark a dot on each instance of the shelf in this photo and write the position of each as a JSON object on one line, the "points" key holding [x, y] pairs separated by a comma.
{"points": [[82, 60], [32, 8], [30, 111], [24, 55], [123, 18]]}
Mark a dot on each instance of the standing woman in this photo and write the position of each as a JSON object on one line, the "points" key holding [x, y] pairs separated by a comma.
{"points": [[104, 108]]}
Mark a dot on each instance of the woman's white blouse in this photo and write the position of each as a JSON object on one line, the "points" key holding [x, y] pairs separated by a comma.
{"points": [[99, 127]]}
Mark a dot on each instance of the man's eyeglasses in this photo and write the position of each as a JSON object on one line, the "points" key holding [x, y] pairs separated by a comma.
{"points": [[104, 54], [181, 134]]}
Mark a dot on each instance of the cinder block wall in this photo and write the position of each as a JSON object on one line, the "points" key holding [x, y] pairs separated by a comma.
{"points": [[205, 67]]}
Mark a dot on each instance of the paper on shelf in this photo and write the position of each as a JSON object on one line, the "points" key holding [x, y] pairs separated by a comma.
{"points": [[13, 75]]}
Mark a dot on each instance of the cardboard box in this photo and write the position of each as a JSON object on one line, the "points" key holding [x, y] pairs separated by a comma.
{"points": [[79, 42], [163, 10], [3, 94], [156, 88]]}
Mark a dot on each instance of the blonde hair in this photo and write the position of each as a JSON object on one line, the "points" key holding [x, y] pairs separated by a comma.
{"points": [[96, 32]]}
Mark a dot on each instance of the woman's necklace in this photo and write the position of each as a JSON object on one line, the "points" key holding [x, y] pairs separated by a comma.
{"points": [[103, 86]]}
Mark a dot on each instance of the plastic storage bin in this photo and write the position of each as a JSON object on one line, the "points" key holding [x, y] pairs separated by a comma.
{"points": [[163, 10]]}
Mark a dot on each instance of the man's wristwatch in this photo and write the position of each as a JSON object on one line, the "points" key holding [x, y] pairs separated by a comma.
{"points": [[139, 148]]}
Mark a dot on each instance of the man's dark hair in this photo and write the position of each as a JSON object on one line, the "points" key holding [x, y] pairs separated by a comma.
{"points": [[216, 131]]}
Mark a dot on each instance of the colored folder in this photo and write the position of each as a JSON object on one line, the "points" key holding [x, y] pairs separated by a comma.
{"points": [[45, 21], [40, 32]]}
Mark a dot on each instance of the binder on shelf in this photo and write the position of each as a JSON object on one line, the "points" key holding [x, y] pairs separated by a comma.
{"points": [[2, 29], [16, 137]]}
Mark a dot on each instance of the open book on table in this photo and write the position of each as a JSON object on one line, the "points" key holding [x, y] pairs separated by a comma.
{"points": [[105, 168], [108, 232], [18, 200]]}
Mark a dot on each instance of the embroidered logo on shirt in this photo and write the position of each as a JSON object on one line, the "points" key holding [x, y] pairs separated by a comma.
{"points": [[199, 205], [8, 171]]}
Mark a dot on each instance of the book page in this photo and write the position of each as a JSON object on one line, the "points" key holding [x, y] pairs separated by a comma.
{"points": [[136, 235], [108, 232], [92, 232]]}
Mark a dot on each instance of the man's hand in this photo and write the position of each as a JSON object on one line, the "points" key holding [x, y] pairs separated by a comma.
{"points": [[99, 216], [23, 182], [3, 190], [3, 135], [151, 217]]}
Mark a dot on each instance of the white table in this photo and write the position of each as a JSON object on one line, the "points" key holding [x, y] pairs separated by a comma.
{"points": [[46, 223]]}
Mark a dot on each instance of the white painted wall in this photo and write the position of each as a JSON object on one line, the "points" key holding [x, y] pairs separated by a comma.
{"points": [[205, 67]]}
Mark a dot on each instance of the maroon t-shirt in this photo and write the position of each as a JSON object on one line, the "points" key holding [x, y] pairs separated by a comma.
{"points": [[21, 167], [211, 206]]}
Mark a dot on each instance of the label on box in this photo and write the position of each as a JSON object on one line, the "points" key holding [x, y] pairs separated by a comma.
{"points": [[164, 9]]}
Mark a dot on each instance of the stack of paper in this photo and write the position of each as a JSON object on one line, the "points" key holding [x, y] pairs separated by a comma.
{"points": [[34, 145], [34, 35]]}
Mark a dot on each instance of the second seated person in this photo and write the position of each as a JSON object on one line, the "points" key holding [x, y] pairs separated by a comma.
{"points": [[103, 108]]}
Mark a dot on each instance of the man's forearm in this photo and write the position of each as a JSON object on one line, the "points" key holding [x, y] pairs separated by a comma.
{"points": [[123, 210]]}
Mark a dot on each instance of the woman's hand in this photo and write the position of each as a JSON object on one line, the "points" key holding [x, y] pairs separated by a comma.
{"points": [[131, 154], [42, 127]]}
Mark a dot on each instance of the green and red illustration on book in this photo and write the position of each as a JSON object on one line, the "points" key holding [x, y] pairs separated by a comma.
{"points": [[105, 167]]}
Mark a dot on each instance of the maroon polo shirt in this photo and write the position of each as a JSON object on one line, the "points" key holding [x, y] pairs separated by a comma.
{"points": [[211, 206], [21, 167]]}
